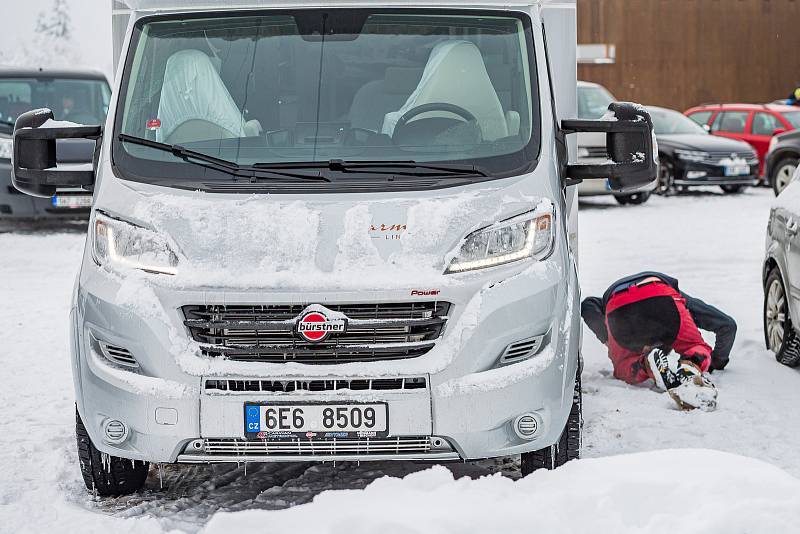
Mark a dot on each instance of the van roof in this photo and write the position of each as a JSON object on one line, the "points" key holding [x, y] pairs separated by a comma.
{"points": [[202, 5]]}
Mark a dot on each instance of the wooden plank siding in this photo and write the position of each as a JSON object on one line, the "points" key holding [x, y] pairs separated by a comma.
{"points": [[680, 53]]}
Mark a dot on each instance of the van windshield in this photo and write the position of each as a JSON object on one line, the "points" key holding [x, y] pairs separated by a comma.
{"points": [[308, 86], [83, 101]]}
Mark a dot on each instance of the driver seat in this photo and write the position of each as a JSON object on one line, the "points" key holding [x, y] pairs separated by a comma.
{"points": [[195, 104], [456, 74]]}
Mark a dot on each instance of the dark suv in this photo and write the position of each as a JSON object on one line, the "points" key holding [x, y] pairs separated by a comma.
{"points": [[782, 159], [81, 97]]}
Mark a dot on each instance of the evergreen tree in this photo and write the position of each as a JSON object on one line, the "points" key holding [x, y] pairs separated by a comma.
{"points": [[57, 23]]}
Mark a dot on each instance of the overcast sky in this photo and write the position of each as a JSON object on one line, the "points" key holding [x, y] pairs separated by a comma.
{"points": [[91, 25]]}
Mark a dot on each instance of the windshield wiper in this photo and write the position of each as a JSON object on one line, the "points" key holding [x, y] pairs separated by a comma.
{"points": [[399, 168], [219, 164]]}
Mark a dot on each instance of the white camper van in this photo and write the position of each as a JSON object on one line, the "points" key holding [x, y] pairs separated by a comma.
{"points": [[331, 230]]}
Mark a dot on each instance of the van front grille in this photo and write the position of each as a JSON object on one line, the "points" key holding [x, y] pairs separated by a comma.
{"points": [[221, 385], [266, 333]]}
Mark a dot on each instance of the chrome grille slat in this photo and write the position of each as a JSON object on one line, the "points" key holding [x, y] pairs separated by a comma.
{"points": [[318, 446], [265, 333]]}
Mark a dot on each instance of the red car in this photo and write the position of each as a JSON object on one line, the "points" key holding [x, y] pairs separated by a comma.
{"points": [[756, 124]]}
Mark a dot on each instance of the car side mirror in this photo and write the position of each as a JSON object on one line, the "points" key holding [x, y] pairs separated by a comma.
{"points": [[707, 127], [778, 131], [630, 146], [35, 168]]}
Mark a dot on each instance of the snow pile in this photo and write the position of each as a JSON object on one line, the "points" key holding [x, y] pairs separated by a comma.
{"points": [[665, 492]]}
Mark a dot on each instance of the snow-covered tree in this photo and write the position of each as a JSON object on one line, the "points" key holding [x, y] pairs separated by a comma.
{"points": [[51, 44], [57, 23]]}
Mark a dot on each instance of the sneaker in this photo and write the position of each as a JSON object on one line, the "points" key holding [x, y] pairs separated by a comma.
{"points": [[695, 391], [663, 369]]}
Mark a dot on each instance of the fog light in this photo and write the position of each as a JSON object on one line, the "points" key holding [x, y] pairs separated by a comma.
{"points": [[527, 426], [115, 431]]}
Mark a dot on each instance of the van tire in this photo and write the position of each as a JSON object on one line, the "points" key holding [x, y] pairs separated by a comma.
{"points": [[111, 476], [569, 444]]}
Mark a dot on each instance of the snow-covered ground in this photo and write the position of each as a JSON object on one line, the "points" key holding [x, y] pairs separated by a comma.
{"points": [[712, 243]]}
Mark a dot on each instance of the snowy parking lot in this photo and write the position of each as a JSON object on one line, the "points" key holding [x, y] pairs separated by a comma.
{"points": [[711, 242]]}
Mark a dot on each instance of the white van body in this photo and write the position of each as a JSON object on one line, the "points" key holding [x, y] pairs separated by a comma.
{"points": [[339, 231], [510, 335]]}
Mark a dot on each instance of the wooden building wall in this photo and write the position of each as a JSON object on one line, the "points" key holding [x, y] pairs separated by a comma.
{"points": [[680, 53]]}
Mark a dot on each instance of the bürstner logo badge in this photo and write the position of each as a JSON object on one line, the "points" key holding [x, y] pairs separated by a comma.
{"points": [[316, 324]]}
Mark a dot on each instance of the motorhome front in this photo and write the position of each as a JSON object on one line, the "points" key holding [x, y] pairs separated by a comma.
{"points": [[339, 231]]}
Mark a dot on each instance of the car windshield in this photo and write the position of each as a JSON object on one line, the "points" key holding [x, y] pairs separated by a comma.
{"points": [[669, 122], [350, 85], [793, 117], [83, 101], [593, 101]]}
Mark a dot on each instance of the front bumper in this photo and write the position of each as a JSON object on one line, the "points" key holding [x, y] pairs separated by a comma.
{"points": [[465, 411], [699, 174]]}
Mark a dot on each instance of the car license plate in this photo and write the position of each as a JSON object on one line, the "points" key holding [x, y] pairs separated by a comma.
{"points": [[72, 201], [278, 420], [737, 170]]}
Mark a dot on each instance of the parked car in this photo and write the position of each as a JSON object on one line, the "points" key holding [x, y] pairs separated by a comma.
{"points": [[782, 159], [689, 156], [358, 282], [781, 276], [755, 124], [593, 101], [74, 96]]}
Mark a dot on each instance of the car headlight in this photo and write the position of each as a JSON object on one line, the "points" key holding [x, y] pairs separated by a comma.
{"points": [[527, 236], [6, 148], [691, 155], [120, 244]]}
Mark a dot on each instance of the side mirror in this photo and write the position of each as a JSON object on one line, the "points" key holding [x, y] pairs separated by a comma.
{"points": [[778, 131], [707, 127], [630, 146], [35, 167]]}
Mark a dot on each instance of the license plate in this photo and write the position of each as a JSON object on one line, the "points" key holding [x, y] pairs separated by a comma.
{"points": [[737, 170], [72, 201], [278, 420]]}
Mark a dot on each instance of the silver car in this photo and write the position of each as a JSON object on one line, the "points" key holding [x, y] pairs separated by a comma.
{"points": [[782, 276]]}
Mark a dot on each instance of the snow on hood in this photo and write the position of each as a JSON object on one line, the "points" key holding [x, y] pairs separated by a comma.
{"points": [[263, 242]]}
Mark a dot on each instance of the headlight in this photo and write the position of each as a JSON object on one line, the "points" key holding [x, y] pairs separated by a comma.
{"points": [[6, 147], [691, 155], [119, 244], [527, 236]]}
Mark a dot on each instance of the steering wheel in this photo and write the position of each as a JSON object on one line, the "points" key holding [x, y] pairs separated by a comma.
{"points": [[434, 106]]}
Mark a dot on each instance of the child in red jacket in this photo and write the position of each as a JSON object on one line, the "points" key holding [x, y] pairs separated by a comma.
{"points": [[643, 318]]}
